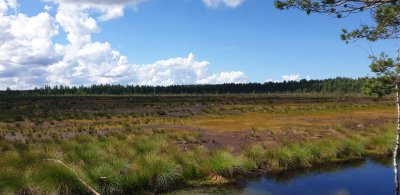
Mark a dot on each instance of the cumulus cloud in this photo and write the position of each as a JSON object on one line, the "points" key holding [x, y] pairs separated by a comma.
{"points": [[291, 77], [225, 77], [5, 5], [109, 9], [25, 47], [102, 2], [179, 70], [184, 71], [29, 58], [217, 3], [47, 8]]}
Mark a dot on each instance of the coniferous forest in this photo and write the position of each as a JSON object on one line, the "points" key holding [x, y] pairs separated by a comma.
{"points": [[337, 85]]}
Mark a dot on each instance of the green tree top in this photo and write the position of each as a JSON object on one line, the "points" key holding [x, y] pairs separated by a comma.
{"points": [[386, 80], [385, 13]]}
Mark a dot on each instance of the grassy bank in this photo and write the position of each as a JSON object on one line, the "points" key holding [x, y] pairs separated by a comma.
{"points": [[128, 162]]}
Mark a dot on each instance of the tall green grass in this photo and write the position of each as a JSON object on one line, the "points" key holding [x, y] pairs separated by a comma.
{"points": [[127, 164], [256, 155], [106, 178], [223, 163], [51, 178], [161, 170], [293, 156], [383, 143], [287, 157]]}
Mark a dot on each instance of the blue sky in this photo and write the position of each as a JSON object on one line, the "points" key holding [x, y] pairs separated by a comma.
{"points": [[252, 38], [256, 38]]}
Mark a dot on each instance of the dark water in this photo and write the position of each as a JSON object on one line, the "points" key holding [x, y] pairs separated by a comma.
{"points": [[358, 177]]}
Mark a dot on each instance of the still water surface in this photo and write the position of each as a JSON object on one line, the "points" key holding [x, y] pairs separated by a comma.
{"points": [[358, 177]]}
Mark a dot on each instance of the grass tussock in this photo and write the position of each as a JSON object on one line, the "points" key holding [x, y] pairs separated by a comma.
{"points": [[382, 143], [51, 178], [161, 171], [256, 155], [223, 163], [291, 156]]}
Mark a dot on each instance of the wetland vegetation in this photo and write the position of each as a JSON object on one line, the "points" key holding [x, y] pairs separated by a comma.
{"points": [[146, 144]]}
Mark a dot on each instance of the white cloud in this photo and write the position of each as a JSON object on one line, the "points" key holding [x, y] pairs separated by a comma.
{"points": [[177, 70], [77, 22], [225, 77], [26, 48], [109, 9], [217, 3], [5, 5], [112, 12], [29, 58], [291, 77], [102, 2], [183, 71], [47, 8]]}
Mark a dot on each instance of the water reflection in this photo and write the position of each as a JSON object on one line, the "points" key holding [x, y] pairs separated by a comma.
{"points": [[373, 176], [288, 176]]}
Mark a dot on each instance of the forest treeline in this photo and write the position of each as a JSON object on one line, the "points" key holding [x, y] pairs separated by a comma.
{"points": [[336, 85]]}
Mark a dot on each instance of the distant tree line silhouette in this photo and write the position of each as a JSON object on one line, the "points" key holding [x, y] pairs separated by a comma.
{"points": [[336, 85]]}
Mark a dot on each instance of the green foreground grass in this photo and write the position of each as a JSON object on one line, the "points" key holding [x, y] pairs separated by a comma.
{"points": [[130, 162]]}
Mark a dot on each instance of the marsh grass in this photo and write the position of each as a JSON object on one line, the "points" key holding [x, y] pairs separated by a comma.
{"points": [[145, 144], [223, 163], [125, 164], [191, 163], [350, 148], [123, 157], [305, 155], [256, 155], [383, 143], [51, 178], [281, 158], [13, 181], [324, 150], [106, 178], [160, 171]]}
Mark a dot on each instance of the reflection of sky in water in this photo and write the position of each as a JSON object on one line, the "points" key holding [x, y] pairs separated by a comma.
{"points": [[360, 178]]}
